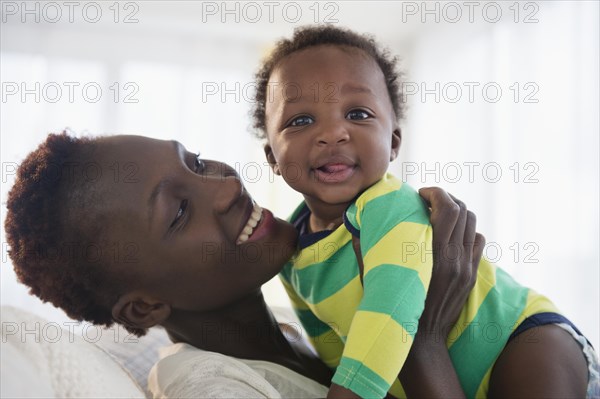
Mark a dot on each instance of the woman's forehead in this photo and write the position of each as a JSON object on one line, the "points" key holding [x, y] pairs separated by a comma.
{"points": [[129, 141]]}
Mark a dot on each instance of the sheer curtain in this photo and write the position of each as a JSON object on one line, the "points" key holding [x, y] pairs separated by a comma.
{"points": [[521, 148], [504, 115]]}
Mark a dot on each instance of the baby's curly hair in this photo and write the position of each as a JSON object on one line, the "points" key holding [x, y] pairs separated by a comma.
{"points": [[311, 36], [54, 234]]}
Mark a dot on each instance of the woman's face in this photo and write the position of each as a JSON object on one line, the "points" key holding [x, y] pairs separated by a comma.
{"points": [[179, 225]]}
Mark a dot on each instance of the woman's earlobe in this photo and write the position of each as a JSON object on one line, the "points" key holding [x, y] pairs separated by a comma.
{"points": [[140, 311]]}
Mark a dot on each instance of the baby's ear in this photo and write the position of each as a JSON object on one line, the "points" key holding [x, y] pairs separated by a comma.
{"points": [[138, 310], [396, 141], [271, 159]]}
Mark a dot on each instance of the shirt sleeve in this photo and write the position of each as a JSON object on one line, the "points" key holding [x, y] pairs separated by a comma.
{"points": [[323, 338], [395, 242]]}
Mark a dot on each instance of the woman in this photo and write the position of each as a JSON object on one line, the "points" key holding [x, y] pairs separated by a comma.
{"points": [[152, 238]]}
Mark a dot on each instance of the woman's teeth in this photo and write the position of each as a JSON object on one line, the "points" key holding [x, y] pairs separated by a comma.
{"points": [[250, 225]]}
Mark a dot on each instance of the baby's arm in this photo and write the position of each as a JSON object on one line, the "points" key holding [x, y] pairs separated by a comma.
{"points": [[324, 339], [395, 241]]}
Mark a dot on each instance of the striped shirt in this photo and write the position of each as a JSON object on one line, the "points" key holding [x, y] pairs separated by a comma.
{"points": [[365, 330]]}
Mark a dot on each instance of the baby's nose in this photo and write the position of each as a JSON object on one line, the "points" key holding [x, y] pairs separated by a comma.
{"points": [[333, 133]]}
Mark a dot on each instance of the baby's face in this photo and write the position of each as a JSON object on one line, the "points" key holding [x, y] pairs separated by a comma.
{"points": [[331, 127]]}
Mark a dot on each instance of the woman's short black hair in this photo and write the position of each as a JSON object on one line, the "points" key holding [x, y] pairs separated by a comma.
{"points": [[54, 234]]}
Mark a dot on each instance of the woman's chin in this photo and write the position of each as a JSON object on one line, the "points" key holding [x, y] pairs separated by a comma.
{"points": [[280, 245], [289, 238]]}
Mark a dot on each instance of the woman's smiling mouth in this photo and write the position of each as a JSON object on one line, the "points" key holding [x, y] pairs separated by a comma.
{"points": [[251, 224]]}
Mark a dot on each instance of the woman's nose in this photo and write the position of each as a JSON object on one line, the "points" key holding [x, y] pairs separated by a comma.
{"points": [[227, 192], [225, 185]]}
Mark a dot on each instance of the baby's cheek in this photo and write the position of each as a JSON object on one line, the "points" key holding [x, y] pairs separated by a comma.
{"points": [[291, 174]]}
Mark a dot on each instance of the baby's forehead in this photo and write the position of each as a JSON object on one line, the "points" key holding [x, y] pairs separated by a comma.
{"points": [[326, 62], [325, 50]]}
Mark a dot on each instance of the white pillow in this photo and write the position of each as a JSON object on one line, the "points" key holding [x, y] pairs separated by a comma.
{"points": [[137, 355], [40, 359]]}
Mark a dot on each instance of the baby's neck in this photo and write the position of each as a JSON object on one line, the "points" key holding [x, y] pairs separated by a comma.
{"points": [[325, 216]]}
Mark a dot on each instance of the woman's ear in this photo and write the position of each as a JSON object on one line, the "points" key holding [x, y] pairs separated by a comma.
{"points": [[140, 311], [271, 159], [396, 141]]}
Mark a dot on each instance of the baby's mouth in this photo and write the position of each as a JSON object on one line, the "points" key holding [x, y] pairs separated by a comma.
{"points": [[334, 168], [251, 224], [334, 172]]}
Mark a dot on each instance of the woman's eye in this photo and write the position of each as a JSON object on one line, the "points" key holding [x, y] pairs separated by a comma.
{"points": [[301, 121], [198, 164], [357, 114], [180, 213]]}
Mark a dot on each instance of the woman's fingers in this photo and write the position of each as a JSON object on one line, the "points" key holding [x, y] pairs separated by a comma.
{"points": [[444, 212], [478, 249], [454, 228], [458, 234], [469, 236], [457, 250]]}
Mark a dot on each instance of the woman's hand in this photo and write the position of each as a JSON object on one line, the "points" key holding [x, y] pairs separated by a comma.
{"points": [[457, 249]]}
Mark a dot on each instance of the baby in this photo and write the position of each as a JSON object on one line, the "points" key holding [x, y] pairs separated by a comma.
{"points": [[328, 106]]}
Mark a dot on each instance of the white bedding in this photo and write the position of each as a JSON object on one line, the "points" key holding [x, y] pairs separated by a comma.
{"points": [[36, 365], [39, 360]]}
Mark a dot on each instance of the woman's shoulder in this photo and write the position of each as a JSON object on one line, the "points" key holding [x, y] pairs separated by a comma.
{"points": [[186, 371]]}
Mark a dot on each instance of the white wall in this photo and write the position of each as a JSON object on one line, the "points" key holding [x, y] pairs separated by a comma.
{"points": [[544, 221]]}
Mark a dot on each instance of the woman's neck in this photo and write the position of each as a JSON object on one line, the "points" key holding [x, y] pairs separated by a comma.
{"points": [[245, 329]]}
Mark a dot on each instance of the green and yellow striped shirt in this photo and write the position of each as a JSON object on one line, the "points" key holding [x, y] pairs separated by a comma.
{"points": [[365, 330]]}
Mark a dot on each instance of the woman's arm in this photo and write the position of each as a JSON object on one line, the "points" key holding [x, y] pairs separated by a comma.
{"points": [[546, 363], [457, 249]]}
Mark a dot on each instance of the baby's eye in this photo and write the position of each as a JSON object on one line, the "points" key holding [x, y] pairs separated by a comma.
{"points": [[302, 121], [357, 114], [198, 164]]}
